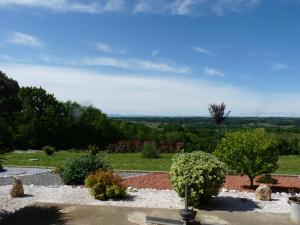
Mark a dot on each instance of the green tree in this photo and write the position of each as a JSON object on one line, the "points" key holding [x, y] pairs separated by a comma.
{"points": [[41, 120], [218, 115], [248, 153]]}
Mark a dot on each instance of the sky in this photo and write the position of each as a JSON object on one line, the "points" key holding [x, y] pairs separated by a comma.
{"points": [[157, 57]]}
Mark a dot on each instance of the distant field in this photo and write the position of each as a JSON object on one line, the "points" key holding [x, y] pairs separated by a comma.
{"points": [[127, 161]]}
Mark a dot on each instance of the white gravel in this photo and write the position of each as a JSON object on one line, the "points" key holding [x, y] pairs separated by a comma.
{"points": [[149, 198]]}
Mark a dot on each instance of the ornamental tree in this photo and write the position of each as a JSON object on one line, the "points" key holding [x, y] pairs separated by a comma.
{"points": [[218, 114], [248, 153]]}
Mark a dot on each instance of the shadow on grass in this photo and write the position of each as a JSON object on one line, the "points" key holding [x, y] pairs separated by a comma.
{"points": [[34, 215], [230, 204]]}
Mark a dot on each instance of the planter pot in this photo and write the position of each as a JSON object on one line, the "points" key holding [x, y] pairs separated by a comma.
{"points": [[295, 209]]}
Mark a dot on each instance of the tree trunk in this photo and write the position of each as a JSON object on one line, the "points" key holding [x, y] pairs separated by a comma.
{"points": [[251, 181]]}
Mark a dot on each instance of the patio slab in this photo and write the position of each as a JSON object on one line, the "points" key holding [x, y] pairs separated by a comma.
{"points": [[58, 214]]}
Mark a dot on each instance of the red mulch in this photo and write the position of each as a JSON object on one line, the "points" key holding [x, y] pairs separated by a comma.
{"points": [[161, 181]]}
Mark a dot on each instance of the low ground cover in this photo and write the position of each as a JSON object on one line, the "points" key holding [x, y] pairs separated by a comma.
{"points": [[128, 161]]}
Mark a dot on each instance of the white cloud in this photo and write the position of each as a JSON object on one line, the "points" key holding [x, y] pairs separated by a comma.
{"points": [[5, 57], [135, 64], [169, 7], [280, 66], [24, 39], [203, 50], [155, 52], [68, 5], [125, 94], [194, 7], [109, 49], [213, 72]]}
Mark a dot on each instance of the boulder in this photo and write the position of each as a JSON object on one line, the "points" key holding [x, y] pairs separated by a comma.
{"points": [[17, 189], [263, 192]]}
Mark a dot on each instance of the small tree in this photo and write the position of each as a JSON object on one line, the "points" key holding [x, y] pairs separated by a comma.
{"points": [[248, 153], [218, 114]]}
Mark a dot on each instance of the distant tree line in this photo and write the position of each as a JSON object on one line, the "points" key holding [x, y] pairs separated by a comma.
{"points": [[31, 118]]}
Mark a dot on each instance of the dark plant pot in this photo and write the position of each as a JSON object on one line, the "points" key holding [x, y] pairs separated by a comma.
{"points": [[188, 215]]}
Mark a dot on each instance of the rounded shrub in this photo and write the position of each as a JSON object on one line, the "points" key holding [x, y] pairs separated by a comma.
{"points": [[105, 185], [150, 150], [204, 174], [77, 169], [49, 150]]}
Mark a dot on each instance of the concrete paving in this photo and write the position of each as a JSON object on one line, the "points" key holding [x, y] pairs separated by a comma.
{"points": [[54, 214]]}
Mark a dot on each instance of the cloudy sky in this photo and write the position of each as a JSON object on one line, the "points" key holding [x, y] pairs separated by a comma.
{"points": [[157, 57]]}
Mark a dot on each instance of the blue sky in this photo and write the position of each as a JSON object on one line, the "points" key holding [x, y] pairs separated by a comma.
{"points": [[157, 57]]}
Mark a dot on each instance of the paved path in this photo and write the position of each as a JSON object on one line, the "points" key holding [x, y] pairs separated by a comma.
{"points": [[53, 214]]}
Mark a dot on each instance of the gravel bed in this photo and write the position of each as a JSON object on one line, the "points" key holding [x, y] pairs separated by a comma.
{"points": [[43, 177], [144, 198], [21, 171]]}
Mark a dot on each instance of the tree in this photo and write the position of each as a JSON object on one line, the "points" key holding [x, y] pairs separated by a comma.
{"points": [[218, 115], [248, 153]]}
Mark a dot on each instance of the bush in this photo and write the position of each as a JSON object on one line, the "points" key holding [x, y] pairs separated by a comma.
{"points": [[104, 185], [150, 150], [49, 150], [250, 153], [204, 173], [267, 179], [93, 149], [76, 169]]}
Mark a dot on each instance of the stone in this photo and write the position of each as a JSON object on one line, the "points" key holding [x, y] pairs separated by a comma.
{"points": [[17, 189], [263, 192]]}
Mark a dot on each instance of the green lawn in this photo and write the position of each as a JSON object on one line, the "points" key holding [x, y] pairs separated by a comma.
{"points": [[127, 161]]}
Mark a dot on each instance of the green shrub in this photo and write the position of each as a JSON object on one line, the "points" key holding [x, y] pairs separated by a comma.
{"points": [[76, 169], [93, 149], [250, 153], [104, 185], [267, 179], [204, 173], [49, 150], [150, 150]]}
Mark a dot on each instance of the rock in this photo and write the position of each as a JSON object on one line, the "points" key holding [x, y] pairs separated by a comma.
{"points": [[263, 192], [224, 190], [17, 189]]}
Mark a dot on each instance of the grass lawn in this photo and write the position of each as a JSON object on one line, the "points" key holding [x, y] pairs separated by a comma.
{"points": [[127, 161]]}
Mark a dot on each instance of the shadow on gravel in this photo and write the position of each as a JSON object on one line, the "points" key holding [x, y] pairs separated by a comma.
{"points": [[230, 204], [35, 215]]}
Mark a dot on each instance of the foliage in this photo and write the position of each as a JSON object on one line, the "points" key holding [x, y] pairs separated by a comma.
{"points": [[218, 115], [49, 150], [104, 185], [76, 169], [288, 147], [204, 174], [150, 150], [249, 153], [93, 150], [267, 179], [125, 146]]}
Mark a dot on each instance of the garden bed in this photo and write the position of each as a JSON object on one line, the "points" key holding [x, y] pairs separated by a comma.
{"points": [[161, 181]]}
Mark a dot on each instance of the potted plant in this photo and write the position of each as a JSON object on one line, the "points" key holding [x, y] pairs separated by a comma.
{"points": [[294, 201]]}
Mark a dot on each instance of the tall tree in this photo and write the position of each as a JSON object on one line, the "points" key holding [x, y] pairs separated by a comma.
{"points": [[218, 115], [250, 153]]}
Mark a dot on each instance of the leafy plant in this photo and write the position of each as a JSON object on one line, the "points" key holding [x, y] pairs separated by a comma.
{"points": [[267, 179], [248, 153], [49, 150], [93, 150], [150, 150], [76, 169], [203, 172], [218, 115], [105, 185]]}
